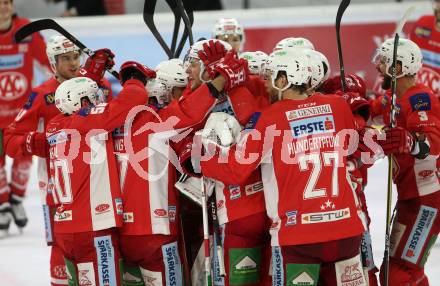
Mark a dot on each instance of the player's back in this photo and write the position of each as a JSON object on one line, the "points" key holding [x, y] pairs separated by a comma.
{"points": [[304, 173], [84, 175]]}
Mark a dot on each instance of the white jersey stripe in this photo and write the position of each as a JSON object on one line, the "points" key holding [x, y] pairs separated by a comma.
{"points": [[271, 197], [100, 192], [426, 184], [158, 173]]}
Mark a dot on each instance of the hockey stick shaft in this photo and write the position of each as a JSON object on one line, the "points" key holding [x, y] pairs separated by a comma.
{"points": [[186, 20], [186, 32], [217, 236], [49, 24], [206, 234], [148, 14], [177, 17], [342, 7], [390, 214], [386, 258], [404, 19]]}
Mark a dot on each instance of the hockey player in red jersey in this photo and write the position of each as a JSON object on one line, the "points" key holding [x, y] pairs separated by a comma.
{"points": [[426, 34], [18, 71], [255, 83], [415, 146], [355, 93], [240, 206], [84, 171], [230, 31], [149, 237], [315, 226], [31, 121]]}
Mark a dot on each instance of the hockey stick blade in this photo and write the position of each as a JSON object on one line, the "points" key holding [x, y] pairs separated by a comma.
{"points": [[186, 20], [404, 19], [342, 7], [50, 24], [186, 32], [177, 18], [148, 14]]}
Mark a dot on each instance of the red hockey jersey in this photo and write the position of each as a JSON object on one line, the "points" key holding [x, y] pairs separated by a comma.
{"points": [[16, 69], [306, 188], [148, 177], [34, 116], [83, 167], [418, 110], [237, 200], [427, 37]]}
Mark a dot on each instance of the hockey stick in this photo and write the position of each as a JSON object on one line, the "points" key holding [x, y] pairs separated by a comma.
{"points": [[177, 17], [217, 237], [206, 235], [148, 13], [179, 13], [386, 257], [390, 216], [188, 31], [404, 19], [49, 24], [342, 7]]}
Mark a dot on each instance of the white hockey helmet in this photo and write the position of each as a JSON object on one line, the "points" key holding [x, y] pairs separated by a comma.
{"points": [[227, 26], [172, 73], [69, 94], [301, 43], [408, 53], [256, 61], [319, 66], [58, 45], [169, 74], [193, 51], [294, 63], [158, 90]]}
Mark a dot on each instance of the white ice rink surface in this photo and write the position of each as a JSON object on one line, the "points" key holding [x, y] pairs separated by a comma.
{"points": [[24, 259]]}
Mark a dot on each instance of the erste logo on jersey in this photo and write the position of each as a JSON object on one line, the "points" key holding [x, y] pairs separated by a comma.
{"points": [[311, 120], [312, 126], [13, 85]]}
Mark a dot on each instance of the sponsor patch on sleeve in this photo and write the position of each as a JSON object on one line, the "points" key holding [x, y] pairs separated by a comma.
{"points": [[84, 111], [420, 102], [49, 98], [30, 100], [253, 121]]}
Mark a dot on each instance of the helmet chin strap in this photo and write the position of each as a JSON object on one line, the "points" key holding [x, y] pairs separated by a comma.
{"points": [[280, 94], [280, 90]]}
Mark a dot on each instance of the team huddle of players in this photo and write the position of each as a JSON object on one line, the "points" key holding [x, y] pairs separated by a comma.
{"points": [[268, 137]]}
